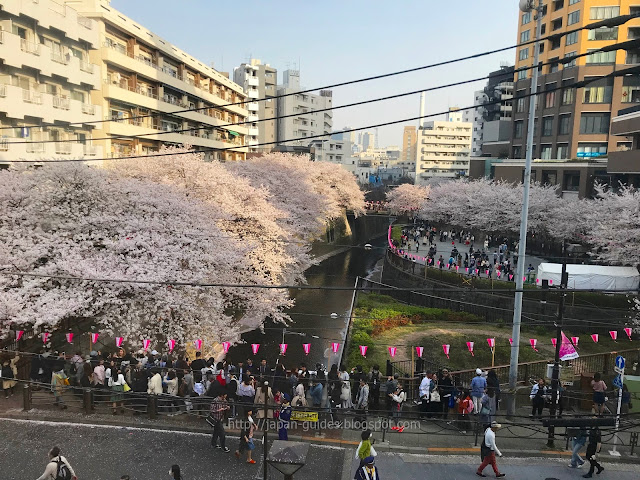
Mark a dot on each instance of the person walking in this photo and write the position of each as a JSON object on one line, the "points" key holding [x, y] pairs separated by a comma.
{"points": [[362, 404], [537, 396], [365, 447], [374, 387], [599, 387], [489, 450], [445, 384], [593, 447], [59, 382], [9, 373], [246, 436], [174, 471], [284, 417], [488, 410], [58, 467], [219, 407], [398, 398], [425, 394], [478, 387], [579, 440], [117, 383]]}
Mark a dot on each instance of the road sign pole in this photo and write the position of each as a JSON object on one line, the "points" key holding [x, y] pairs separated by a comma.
{"points": [[619, 366]]}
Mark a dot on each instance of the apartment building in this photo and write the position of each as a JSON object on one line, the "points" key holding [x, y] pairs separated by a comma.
{"points": [[46, 81], [409, 139], [259, 81], [294, 119], [335, 150], [574, 124], [443, 150], [143, 74]]}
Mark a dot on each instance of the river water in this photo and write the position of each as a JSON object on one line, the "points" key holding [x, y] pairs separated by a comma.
{"points": [[312, 311]]}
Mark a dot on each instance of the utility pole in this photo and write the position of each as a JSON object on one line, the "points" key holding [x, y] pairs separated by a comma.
{"points": [[265, 392], [555, 376], [525, 6]]}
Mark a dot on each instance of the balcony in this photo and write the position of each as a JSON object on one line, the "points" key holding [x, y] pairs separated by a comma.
{"points": [[624, 162], [85, 22], [90, 150], [36, 147], [252, 106], [88, 109], [253, 94], [3, 90], [87, 67], [29, 47], [63, 148], [59, 57], [62, 103], [30, 96], [253, 82], [4, 145]]}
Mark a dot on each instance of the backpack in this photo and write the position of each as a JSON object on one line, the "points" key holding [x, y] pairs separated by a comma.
{"points": [[63, 472], [7, 372]]}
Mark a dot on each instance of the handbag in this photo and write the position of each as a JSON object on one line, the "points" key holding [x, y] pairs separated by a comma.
{"points": [[434, 396], [126, 387], [485, 411]]}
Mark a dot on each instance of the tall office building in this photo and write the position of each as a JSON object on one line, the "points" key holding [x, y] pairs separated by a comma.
{"points": [[575, 124], [443, 150], [47, 81], [301, 123], [259, 81], [144, 74], [408, 154], [368, 141]]}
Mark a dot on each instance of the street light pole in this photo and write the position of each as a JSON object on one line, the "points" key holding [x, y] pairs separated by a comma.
{"points": [[527, 6], [555, 376]]}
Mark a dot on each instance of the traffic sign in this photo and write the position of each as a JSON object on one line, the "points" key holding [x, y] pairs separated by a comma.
{"points": [[617, 381], [619, 368]]}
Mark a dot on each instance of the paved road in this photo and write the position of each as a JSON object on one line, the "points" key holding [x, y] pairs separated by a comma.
{"points": [[394, 466], [106, 453]]}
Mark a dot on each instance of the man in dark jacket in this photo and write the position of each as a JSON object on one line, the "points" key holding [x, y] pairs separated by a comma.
{"points": [[390, 386]]}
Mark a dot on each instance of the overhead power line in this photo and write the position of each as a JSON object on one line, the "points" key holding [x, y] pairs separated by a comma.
{"points": [[619, 73], [628, 45], [616, 21]]}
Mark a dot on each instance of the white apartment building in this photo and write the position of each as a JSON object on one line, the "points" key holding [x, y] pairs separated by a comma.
{"points": [[443, 150], [259, 81], [46, 81], [475, 116], [144, 74], [333, 150], [294, 121]]}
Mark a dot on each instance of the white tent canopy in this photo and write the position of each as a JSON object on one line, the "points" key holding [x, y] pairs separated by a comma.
{"points": [[592, 277]]}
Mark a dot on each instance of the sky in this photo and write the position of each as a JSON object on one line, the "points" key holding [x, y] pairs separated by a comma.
{"points": [[338, 40]]}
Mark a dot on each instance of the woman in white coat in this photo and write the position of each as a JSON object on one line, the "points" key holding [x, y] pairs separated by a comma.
{"points": [[345, 394]]}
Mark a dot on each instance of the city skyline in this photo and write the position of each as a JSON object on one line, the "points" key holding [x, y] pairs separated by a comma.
{"points": [[323, 57]]}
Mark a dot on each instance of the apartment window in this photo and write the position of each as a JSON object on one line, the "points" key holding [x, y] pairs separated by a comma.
{"points": [[595, 123], [564, 124], [568, 94], [634, 10], [522, 74], [631, 89], [562, 152], [550, 96], [568, 61], [571, 181], [526, 18], [524, 54], [545, 152], [604, 33], [623, 146], [518, 129], [573, 2], [520, 102], [543, 30], [76, 95], [600, 13], [547, 127], [554, 67], [601, 58], [592, 149], [556, 24], [571, 39], [525, 36], [573, 17], [633, 32], [517, 152], [599, 91], [633, 57], [549, 177], [535, 127], [541, 49], [555, 43], [558, 4]]}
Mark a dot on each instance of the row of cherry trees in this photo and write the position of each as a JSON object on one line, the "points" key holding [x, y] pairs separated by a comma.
{"points": [[173, 219], [609, 223]]}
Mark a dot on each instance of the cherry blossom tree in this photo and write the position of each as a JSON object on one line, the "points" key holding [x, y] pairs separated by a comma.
{"points": [[407, 198]]}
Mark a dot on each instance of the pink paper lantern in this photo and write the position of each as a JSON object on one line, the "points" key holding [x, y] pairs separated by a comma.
{"points": [[614, 334], [498, 273], [69, 337], [524, 279], [306, 347], [94, 337], [491, 342], [283, 348], [486, 272], [363, 350], [171, 343], [470, 347], [19, 334], [119, 341], [392, 351], [511, 276], [628, 331], [594, 337], [438, 262], [457, 268], [255, 347], [430, 260], [146, 343], [335, 347], [419, 351], [448, 266], [198, 344], [533, 343], [45, 337], [225, 346], [537, 280], [511, 342], [477, 271], [554, 341], [574, 340], [466, 269], [550, 281], [445, 349]]}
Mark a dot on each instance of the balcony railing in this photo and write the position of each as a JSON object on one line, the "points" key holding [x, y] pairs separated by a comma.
{"points": [[88, 108], [4, 145], [90, 150], [86, 66], [3, 90], [29, 47], [84, 21], [59, 57], [117, 47], [35, 147], [30, 96], [61, 102], [63, 148]]}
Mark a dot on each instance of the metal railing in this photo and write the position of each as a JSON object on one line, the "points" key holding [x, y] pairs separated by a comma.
{"points": [[30, 96], [36, 147], [90, 150], [88, 108], [61, 102], [4, 145], [63, 148], [29, 47], [86, 66], [59, 57]]}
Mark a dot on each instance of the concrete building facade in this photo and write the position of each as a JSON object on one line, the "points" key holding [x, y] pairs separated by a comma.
{"points": [[443, 150], [409, 142], [624, 164], [47, 79], [294, 121], [574, 124], [143, 74], [259, 81]]}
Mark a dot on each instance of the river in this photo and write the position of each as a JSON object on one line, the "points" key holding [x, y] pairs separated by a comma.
{"points": [[313, 308]]}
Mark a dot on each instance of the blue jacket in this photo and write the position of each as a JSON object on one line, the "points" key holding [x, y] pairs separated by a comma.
{"points": [[478, 386]]}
